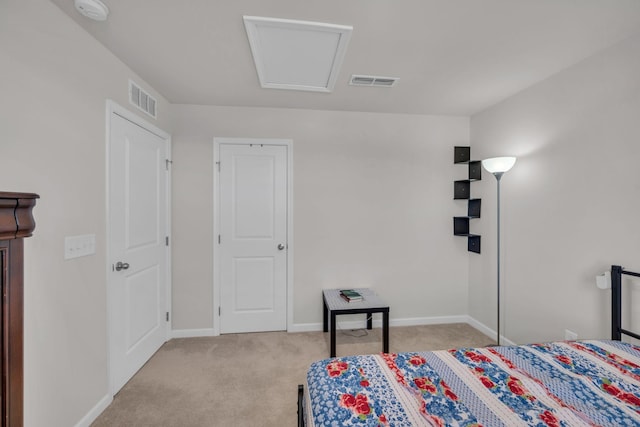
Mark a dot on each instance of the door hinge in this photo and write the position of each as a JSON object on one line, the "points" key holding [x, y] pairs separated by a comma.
{"points": [[167, 163], [219, 311], [166, 241], [218, 163], [167, 316], [219, 239]]}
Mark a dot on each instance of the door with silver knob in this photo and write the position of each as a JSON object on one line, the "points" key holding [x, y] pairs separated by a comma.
{"points": [[253, 224], [138, 223], [121, 265]]}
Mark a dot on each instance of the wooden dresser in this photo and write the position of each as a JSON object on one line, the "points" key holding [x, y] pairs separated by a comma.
{"points": [[16, 223]]}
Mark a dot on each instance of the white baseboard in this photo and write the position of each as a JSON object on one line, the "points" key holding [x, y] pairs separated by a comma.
{"points": [[305, 327], [481, 327], [488, 331], [95, 411], [192, 333], [358, 324], [417, 321], [411, 321]]}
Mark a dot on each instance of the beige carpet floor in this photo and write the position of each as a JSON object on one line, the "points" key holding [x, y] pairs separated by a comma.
{"points": [[251, 379]]}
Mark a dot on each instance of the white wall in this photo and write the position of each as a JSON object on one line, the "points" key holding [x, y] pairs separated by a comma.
{"points": [[55, 80], [570, 205], [373, 206], [372, 201]]}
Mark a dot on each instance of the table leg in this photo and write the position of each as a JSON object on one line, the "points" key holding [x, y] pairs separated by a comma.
{"points": [[369, 320], [385, 332], [333, 334], [325, 326]]}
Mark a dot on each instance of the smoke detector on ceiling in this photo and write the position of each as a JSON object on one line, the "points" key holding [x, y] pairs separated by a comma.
{"points": [[92, 9]]}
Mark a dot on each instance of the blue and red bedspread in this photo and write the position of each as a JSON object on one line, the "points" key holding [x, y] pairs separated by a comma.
{"points": [[585, 383]]}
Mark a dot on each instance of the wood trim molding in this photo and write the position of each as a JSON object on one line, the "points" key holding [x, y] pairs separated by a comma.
{"points": [[16, 222], [16, 218]]}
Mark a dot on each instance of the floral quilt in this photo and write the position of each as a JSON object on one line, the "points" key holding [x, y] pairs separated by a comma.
{"points": [[582, 383]]}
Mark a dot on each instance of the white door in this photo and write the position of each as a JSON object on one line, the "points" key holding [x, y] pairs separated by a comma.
{"points": [[253, 237], [137, 247]]}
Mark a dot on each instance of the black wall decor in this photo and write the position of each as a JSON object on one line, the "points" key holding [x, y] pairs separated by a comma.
{"points": [[462, 190]]}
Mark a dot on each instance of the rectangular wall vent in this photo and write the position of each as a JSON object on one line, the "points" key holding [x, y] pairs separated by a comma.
{"points": [[359, 80], [142, 100]]}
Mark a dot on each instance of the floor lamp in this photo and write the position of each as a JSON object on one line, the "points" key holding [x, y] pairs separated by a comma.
{"points": [[498, 166]]}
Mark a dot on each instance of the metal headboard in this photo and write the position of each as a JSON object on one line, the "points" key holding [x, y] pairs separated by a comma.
{"points": [[616, 303]]}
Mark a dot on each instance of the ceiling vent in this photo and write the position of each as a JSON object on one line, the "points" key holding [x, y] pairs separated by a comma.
{"points": [[298, 55], [142, 100], [378, 81]]}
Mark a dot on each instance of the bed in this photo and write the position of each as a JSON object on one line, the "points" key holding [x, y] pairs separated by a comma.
{"points": [[567, 383]]}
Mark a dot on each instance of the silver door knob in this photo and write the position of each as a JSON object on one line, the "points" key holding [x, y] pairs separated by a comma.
{"points": [[280, 247], [121, 266]]}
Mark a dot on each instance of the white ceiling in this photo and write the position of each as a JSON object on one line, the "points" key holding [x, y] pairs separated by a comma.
{"points": [[452, 56]]}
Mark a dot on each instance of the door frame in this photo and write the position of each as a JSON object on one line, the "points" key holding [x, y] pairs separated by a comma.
{"points": [[217, 142], [112, 109]]}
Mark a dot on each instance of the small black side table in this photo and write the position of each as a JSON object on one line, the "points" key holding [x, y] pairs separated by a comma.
{"points": [[335, 305]]}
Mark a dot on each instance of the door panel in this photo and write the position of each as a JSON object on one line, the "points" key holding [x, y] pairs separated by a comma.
{"points": [[254, 284], [142, 204], [142, 300], [138, 225], [253, 224], [254, 197]]}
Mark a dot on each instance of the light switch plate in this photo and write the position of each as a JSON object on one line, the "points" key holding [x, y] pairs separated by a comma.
{"points": [[78, 246]]}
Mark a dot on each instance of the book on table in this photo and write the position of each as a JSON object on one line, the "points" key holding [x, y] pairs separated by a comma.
{"points": [[350, 295]]}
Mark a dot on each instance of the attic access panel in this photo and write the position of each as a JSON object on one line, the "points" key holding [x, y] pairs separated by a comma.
{"points": [[297, 55]]}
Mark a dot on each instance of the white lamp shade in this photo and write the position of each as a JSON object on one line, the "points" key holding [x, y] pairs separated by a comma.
{"points": [[498, 164]]}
